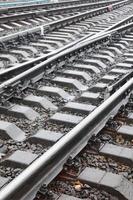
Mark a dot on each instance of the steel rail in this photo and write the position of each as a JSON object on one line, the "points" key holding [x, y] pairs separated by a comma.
{"points": [[47, 167], [60, 10]]}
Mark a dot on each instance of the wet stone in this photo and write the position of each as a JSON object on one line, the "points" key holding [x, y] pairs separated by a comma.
{"points": [[10, 131], [79, 107], [45, 137], [66, 118], [19, 159]]}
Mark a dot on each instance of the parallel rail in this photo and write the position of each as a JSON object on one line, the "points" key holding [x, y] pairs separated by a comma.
{"points": [[45, 168], [55, 11], [51, 27], [45, 5], [64, 22], [61, 57]]}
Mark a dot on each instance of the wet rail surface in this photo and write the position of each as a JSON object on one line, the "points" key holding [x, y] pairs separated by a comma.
{"points": [[44, 106]]}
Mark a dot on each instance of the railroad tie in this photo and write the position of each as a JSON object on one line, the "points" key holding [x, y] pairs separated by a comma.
{"points": [[116, 184], [11, 131], [45, 137], [123, 154], [19, 159]]}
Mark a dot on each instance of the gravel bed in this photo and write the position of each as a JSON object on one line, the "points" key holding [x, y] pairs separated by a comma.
{"points": [[63, 128], [9, 172], [37, 148], [29, 127], [79, 190]]}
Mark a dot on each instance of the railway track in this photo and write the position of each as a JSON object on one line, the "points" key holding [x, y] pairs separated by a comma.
{"points": [[49, 113], [22, 20], [46, 5], [103, 169], [19, 3], [26, 49], [12, 21]]}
